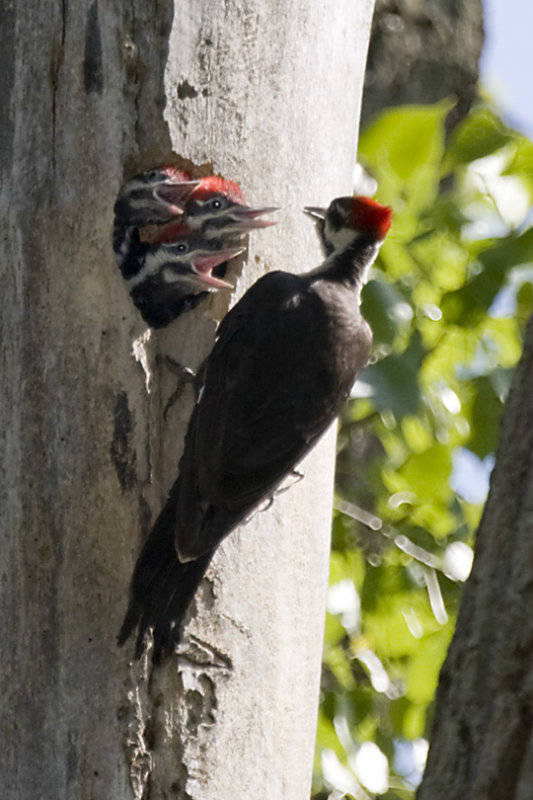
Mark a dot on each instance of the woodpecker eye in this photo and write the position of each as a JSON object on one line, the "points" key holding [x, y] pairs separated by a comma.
{"points": [[216, 204], [153, 176], [181, 247]]}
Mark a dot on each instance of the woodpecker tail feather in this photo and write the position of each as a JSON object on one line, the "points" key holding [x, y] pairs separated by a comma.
{"points": [[161, 588]]}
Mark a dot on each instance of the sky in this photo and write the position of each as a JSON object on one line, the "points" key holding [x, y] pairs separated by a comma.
{"points": [[506, 60]]}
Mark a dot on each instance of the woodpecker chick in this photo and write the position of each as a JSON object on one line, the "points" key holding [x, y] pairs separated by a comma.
{"points": [[161, 208], [175, 277], [151, 198], [218, 210], [285, 359]]}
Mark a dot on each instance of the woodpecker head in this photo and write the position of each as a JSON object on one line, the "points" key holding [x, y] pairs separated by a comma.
{"points": [[174, 278], [351, 218], [153, 197], [216, 207], [190, 262], [187, 263]]}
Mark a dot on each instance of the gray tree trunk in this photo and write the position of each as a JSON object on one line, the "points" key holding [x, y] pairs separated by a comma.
{"points": [[267, 94], [482, 740]]}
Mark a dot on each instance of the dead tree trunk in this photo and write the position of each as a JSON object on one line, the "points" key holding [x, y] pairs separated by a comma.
{"points": [[269, 96], [482, 741]]}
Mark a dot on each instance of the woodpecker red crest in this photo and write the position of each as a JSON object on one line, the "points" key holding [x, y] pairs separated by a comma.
{"points": [[367, 215], [285, 359]]}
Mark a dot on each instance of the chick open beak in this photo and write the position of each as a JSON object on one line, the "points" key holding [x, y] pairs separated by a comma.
{"points": [[247, 218], [204, 264], [175, 194]]}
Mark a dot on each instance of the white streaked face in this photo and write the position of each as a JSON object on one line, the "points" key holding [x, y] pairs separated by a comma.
{"points": [[141, 197], [339, 238], [154, 262]]}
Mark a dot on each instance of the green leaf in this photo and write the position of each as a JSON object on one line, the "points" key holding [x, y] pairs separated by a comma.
{"points": [[468, 305], [404, 148], [521, 163], [394, 380], [425, 666], [480, 134], [347, 565], [405, 141], [385, 310], [339, 664], [414, 721], [485, 416], [447, 354], [333, 630], [427, 473], [390, 601]]}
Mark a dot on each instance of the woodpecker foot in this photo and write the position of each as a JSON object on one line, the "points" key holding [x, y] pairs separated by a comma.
{"points": [[184, 375], [294, 477], [198, 653]]}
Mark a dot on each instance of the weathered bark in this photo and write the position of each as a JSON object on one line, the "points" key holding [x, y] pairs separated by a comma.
{"points": [[482, 740], [268, 95]]}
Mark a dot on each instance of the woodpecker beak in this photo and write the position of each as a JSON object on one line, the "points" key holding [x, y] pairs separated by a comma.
{"points": [[203, 265], [175, 194], [315, 212], [246, 218]]}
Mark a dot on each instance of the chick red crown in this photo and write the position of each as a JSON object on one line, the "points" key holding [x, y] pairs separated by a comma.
{"points": [[209, 186], [215, 185]]}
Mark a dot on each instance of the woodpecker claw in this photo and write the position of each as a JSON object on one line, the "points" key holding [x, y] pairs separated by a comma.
{"points": [[184, 375]]}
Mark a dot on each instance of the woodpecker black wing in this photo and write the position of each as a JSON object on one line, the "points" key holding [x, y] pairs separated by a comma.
{"points": [[273, 385]]}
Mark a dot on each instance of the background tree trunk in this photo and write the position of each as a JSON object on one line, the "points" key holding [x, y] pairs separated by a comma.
{"points": [[423, 51], [482, 738], [267, 96]]}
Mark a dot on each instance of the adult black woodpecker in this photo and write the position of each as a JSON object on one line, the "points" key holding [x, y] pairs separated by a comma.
{"points": [[285, 359], [163, 207]]}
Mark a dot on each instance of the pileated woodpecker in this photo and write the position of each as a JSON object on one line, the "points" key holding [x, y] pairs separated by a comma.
{"points": [[285, 359], [164, 207]]}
